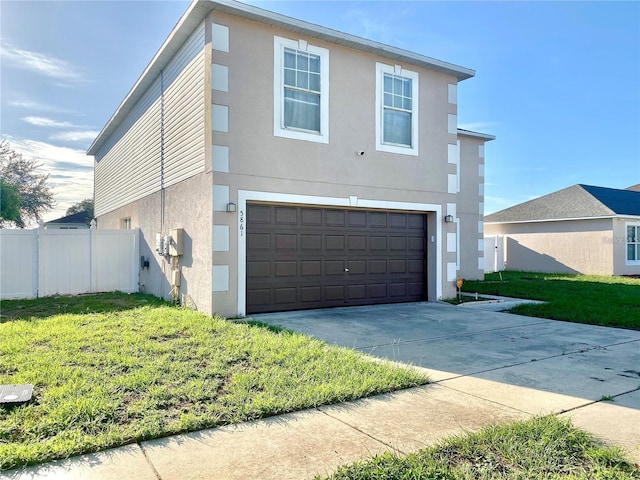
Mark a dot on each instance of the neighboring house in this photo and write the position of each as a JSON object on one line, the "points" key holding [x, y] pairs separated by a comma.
{"points": [[294, 167], [580, 229], [75, 221]]}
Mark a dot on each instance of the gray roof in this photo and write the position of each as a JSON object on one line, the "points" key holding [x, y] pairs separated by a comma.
{"points": [[578, 201], [199, 9], [81, 217]]}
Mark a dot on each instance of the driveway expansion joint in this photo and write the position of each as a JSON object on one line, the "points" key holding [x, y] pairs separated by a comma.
{"points": [[353, 427], [149, 462]]}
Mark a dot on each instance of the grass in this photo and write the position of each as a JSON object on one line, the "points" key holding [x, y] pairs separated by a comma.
{"points": [[114, 369], [541, 448], [598, 300]]}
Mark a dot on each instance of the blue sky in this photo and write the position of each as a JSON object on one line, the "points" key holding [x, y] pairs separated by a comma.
{"points": [[558, 83]]}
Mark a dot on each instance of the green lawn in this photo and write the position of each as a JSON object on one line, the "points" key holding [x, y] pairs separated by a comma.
{"points": [[542, 448], [114, 369], [598, 300]]}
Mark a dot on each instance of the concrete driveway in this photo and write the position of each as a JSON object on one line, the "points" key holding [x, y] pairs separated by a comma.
{"points": [[535, 365]]}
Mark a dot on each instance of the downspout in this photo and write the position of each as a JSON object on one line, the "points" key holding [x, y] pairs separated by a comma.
{"points": [[162, 151]]}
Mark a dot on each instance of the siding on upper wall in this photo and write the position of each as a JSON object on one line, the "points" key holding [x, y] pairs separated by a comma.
{"points": [[128, 165]]}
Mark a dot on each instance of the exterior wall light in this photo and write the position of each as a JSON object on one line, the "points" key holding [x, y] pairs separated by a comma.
{"points": [[231, 207], [448, 219]]}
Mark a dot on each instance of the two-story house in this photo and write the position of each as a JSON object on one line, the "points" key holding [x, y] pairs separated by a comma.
{"points": [[293, 166]]}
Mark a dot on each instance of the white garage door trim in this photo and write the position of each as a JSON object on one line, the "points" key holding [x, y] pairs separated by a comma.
{"points": [[245, 196]]}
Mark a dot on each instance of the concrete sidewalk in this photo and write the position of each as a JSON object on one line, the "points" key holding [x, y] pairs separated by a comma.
{"points": [[303, 444]]}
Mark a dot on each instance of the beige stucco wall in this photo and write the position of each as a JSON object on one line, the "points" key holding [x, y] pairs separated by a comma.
{"points": [[620, 264], [570, 246], [470, 207], [187, 206], [262, 162]]}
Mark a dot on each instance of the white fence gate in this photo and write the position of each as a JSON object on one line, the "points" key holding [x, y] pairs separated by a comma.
{"points": [[39, 262], [493, 253]]}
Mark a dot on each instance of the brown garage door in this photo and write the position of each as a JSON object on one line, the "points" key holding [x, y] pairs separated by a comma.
{"points": [[308, 257]]}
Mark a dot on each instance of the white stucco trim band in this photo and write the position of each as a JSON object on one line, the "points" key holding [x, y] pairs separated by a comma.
{"points": [[245, 196]]}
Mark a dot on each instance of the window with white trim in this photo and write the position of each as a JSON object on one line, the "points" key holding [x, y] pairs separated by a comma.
{"points": [[301, 90], [633, 243], [396, 109]]}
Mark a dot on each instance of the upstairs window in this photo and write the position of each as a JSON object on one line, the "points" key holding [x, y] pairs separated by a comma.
{"points": [[396, 110], [301, 94], [301, 90], [633, 243]]}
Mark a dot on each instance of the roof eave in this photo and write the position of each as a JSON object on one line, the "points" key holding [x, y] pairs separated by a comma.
{"points": [[469, 133], [197, 12], [504, 222]]}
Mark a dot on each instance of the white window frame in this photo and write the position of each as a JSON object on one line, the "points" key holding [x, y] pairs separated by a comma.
{"points": [[279, 130], [626, 243], [381, 70]]}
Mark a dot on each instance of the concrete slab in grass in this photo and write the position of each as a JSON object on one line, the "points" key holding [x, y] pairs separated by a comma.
{"points": [[115, 464]]}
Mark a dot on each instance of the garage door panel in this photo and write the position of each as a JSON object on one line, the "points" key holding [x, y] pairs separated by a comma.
{"points": [[286, 269], [335, 218], [284, 296], [286, 216], [333, 293], [259, 298], [259, 241], [378, 243], [377, 290], [258, 269], [310, 257], [357, 267], [311, 243], [334, 267], [311, 217], [334, 242], [398, 289], [357, 243], [310, 268], [415, 244], [377, 267], [357, 291], [311, 294], [377, 220]]}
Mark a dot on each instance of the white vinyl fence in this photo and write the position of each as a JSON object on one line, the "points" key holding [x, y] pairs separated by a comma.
{"points": [[39, 262], [493, 253]]}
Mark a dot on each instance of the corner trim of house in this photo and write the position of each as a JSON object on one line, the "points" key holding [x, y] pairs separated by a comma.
{"points": [[245, 196]]}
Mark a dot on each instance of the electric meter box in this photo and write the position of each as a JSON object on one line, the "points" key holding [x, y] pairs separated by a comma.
{"points": [[176, 247]]}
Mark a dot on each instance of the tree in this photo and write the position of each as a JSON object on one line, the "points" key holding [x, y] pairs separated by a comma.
{"points": [[21, 174], [85, 205], [9, 202]]}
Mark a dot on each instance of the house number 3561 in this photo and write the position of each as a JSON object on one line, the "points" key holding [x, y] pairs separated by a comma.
{"points": [[242, 223]]}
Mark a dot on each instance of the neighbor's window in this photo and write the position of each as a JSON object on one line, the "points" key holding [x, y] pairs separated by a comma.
{"points": [[300, 90], [396, 110], [633, 243], [125, 223]]}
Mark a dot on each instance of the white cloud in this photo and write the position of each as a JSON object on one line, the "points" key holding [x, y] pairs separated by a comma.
{"points": [[42, 64], [70, 172], [47, 122], [31, 105], [81, 136]]}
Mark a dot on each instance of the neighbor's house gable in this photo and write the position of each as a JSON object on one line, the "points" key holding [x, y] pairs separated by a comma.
{"points": [[580, 229]]}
